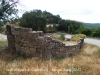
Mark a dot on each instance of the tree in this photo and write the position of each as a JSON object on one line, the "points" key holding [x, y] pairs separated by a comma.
{"points": [[33, 19], [50, 18], [8, 10], [62, 25]]}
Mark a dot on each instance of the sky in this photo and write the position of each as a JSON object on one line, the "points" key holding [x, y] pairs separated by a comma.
{"points": [[80, 10]]}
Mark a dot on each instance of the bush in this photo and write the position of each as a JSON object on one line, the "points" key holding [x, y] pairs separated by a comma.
{"points": [[75, 39], [82, 35], [62, 37]]}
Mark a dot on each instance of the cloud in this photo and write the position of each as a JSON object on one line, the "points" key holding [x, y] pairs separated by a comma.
{"points": [[81, 10]]}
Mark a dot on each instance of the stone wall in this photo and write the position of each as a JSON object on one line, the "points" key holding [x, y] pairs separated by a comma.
{"points": [[37, 44]]}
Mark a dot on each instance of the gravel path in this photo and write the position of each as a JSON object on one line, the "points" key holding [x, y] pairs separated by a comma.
{"points": [[92, 41], [3, 36], [87, 40]]}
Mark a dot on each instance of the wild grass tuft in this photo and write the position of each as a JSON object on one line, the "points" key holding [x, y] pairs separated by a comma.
{"points": [[62, 37], [3, 43]]}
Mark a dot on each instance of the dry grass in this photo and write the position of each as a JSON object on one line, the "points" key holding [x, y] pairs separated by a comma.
{"points": [[84, 63]]}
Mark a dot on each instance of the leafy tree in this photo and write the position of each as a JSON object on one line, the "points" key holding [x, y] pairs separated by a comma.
{"points": [[62, 25], [86, 31], [33, 19], [50, 18], [74, 26], [8, 10]]}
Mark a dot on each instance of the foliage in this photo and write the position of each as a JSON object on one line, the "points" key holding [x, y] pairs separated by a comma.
{"points": [[62, 25], [8, 10], [62, 37], [82, 35], [2, 29], [33, 19], [38, 20], [69, 26], [75, 38], [91, 31], [50, 18]]}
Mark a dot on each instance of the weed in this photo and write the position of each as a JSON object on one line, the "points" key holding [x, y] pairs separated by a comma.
{"points": [[62, 37], [75, 39], [82, 35]]}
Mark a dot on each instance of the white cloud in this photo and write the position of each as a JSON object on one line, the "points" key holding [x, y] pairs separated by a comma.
{"points": [[81, 10]]}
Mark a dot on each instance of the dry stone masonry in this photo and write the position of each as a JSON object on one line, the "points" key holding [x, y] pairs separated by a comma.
{"points": [[37, 44]]}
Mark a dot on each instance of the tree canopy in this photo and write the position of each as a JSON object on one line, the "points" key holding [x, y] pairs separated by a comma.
{"points": [[8, 10], [37, 20], [33, 19]]}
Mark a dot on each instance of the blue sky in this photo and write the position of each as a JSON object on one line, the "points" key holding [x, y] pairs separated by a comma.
{"points": [[79, 10]]}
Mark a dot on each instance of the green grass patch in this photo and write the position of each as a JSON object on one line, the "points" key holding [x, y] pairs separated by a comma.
{"points": [[2, 29], [3, 44]]}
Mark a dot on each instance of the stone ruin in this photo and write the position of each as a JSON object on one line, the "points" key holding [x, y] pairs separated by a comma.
{"points": [[37, 44]]}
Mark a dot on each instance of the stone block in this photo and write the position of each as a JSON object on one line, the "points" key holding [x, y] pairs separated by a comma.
{"points": [[31, 40], [25, 30], [17, 32], [17, 37], [62, 50], [10, 36], [31, 44], [38, 50], [46, 44], [18, 48], [40, 33], [58, 44], [32, 50], [52, 44], [24, 34], [31, 35]]}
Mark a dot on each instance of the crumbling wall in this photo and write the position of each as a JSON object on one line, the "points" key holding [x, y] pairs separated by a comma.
{"points": [[35, 43]]}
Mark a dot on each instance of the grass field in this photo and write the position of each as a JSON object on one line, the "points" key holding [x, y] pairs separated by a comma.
{"points": [[86, 62]]}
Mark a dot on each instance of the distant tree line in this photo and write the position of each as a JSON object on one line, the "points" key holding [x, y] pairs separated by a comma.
{"points": [[37, 20]]}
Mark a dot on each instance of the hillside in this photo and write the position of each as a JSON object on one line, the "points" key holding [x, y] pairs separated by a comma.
{"points": [[92, 24]]}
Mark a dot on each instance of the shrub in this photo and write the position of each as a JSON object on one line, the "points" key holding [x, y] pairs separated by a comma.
{"points": [[82, 35], [75, 39], [62, 37]]}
